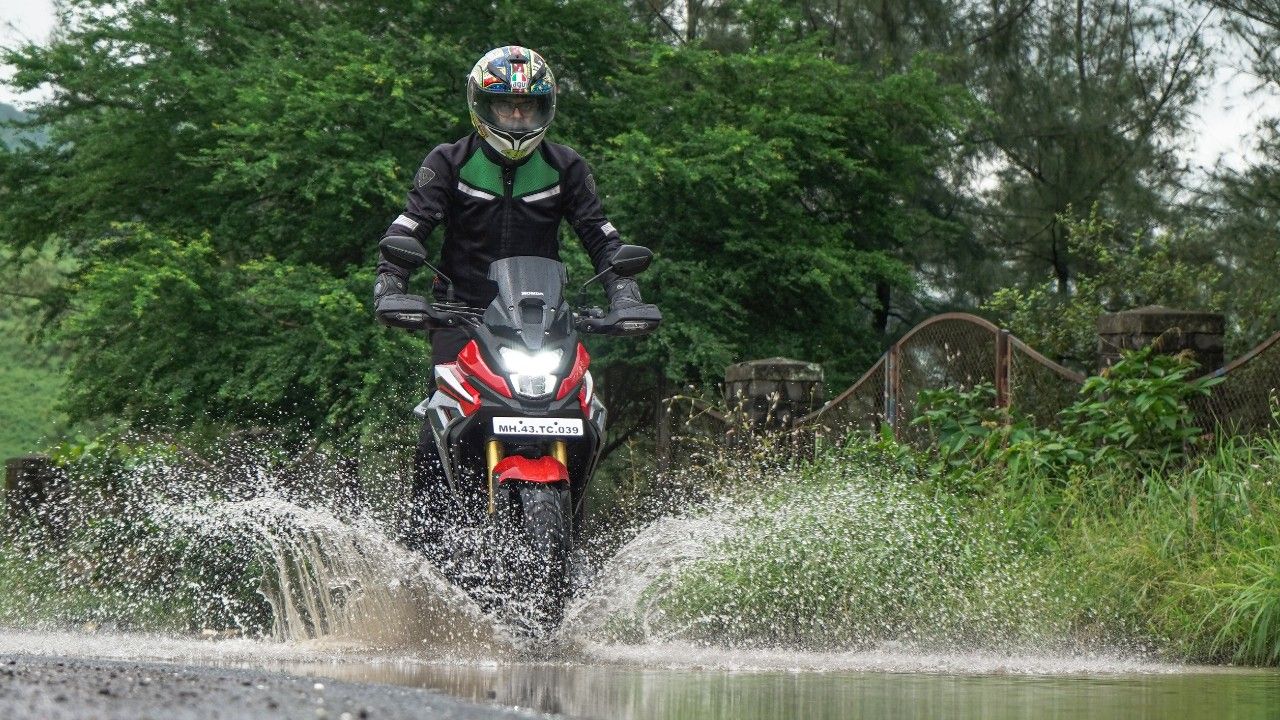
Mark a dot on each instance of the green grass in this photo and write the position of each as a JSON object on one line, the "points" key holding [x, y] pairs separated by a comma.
{"points": [[869, 544], [1191, 557], [30, 379]]}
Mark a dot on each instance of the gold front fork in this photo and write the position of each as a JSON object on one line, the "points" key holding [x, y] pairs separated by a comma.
{"points": [[493, 454], [560, 451]]}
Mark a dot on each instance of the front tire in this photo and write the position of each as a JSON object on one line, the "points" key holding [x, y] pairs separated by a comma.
{"points": [[547, 521]]}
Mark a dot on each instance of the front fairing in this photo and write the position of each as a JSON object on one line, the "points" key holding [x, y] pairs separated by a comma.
{"points": [[529, 310], [529, 314]]}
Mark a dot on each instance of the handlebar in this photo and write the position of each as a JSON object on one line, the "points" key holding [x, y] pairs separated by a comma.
{"points": [[413, 312]]}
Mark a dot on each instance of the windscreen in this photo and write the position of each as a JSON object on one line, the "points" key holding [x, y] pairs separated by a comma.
{"points": [[530, 299]]}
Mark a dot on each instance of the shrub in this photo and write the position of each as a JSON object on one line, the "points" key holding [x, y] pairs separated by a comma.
{"points": [[1135, 415]]}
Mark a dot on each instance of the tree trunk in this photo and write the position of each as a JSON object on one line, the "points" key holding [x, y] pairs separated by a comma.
{"points": [[884, 295], [662, 422]]}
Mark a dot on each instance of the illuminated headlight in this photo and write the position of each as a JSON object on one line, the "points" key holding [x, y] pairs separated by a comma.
{"points": [[531, 374]]}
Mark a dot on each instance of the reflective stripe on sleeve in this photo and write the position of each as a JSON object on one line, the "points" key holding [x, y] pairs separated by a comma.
{"points": [[406, 221]]}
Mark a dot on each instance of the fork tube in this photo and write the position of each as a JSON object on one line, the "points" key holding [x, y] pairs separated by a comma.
{"points": [[493, 453], [560, 451]]}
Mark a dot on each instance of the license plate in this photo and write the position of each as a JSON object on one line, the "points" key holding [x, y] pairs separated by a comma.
{"points": [[559, 427]]}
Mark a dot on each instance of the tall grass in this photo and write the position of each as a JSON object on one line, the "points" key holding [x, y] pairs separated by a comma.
{"points": [[870, 543], [1189, 556]]}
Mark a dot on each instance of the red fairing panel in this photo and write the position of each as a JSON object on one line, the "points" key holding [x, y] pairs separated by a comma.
{"points": [[455, 386], [580, 364], [545, 469], [471, 362]]}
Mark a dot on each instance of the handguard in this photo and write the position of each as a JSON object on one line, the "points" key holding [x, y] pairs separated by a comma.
{"points": [[635, 320], [413, 312], [404, 311]]}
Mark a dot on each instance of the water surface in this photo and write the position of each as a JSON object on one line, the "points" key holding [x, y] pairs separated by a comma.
{"points": [[625, 693]]}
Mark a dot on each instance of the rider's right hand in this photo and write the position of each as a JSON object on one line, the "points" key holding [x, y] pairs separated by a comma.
{"points": [[388, 284]]}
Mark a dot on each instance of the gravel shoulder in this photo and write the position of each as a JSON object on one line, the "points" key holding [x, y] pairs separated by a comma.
{"points": [[54, 688]]}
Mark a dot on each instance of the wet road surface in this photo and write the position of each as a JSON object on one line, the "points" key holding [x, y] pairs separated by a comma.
{"points": [[58, 688]]}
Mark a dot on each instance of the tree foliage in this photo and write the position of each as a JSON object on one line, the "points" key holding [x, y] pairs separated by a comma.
{"points": [[163, 331], [813, 175], [799, 214], [1243, 204], [1088, 100], [1125, 272]]}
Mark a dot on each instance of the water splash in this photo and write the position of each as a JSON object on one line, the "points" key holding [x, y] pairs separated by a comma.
{"points": [[844, 565], [641, 571], [345, 580], [846, 556]]}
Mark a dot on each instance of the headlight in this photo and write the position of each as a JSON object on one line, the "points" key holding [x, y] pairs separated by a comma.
{"points": [[531, 373]]}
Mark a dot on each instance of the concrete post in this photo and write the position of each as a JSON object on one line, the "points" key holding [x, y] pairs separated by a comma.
{"points": [[29, 481], [1178, 330], [771, 394]]}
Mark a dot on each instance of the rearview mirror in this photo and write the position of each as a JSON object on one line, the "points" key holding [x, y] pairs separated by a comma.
{"points": [[409, 254], [629, 260], [404, 251]]}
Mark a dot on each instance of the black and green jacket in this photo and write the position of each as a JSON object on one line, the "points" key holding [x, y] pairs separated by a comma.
{"points": [[492, 209]]}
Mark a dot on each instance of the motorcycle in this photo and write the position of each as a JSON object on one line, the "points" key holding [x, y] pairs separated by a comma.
{"points": [[515, 419]]}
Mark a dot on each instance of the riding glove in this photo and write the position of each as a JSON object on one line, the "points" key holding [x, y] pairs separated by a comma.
{"points": [[388, 284], [623, 292]]}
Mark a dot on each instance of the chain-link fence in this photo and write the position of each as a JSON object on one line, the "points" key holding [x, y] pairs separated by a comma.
{"points": [[1246, 399], [961, 351], [1039, 388], [861, 408], [954, 350]]}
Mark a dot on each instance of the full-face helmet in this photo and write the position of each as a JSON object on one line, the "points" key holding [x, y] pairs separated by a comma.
{"points": [[511, 94]]}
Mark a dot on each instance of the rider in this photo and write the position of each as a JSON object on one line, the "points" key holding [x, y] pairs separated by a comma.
{"points": [[500, 192]]}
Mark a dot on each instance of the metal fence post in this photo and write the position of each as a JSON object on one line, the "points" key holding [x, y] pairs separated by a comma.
{"points": [[891, 389], [1003, 396]]}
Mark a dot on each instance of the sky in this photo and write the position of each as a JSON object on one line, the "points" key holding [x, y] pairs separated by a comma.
{"points": [[1225, 119], [19, 20]]}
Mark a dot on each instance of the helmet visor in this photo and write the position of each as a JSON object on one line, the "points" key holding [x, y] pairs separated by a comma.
{"points": [[515, 113]]}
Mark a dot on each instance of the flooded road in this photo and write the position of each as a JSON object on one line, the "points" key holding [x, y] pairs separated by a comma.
{"points": [[351, 608], [679, 682], [643, 694]]}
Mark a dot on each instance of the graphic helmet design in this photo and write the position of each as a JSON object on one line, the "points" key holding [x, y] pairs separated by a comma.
{"points": [[511, 94]]}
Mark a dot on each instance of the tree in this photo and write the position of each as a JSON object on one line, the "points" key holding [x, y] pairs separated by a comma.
{"points": [[1243, 205], [775, 206], [1087, 100]]}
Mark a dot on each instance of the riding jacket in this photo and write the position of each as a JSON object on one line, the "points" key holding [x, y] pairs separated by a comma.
{"points": [[494, 208]]}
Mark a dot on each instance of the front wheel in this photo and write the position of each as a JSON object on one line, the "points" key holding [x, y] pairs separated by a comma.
{"points": [[547, 522]]}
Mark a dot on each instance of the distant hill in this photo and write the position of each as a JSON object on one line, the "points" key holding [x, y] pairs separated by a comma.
{"points": [[8, 135]]}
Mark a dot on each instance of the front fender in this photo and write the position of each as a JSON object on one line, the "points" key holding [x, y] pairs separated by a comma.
{"points": [[545, 469]]}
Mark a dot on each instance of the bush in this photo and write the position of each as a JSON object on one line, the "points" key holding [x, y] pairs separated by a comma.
{"points": [[1135, 416]]}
